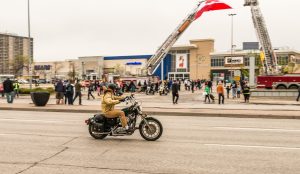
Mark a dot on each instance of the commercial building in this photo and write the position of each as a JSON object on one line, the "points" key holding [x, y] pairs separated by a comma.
{"points": [[196, 60], [14, 51], [235, 65]]}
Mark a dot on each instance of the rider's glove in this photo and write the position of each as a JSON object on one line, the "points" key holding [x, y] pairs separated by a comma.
{"points": [[122, 100]]}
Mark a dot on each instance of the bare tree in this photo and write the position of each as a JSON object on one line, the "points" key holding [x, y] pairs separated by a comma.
{"points": [[18, 64]]}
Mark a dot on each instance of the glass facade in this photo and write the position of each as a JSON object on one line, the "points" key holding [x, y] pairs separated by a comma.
{"points": [[217, 62], [283, 60]]}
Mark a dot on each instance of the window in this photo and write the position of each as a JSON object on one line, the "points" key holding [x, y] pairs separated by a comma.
{"points": [[247, 61], [282, 60], [217, 62]]}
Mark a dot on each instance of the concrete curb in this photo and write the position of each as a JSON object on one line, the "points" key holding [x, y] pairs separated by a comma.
{"points": [[188, 114]]}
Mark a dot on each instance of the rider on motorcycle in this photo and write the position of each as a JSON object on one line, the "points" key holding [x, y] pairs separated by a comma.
{"points": [[109, 101]]}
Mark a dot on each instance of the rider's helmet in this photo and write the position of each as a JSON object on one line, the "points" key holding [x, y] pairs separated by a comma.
{"points": [[112, 86]]}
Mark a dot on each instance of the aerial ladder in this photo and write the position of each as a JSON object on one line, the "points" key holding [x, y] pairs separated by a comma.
{"points": [[162, 51], [270, 60]]}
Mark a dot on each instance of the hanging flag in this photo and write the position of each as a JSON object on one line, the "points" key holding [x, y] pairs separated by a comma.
{"points": [[211, 5]]}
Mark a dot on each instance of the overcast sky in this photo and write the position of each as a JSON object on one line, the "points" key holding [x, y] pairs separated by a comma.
{"points": [[66, 29]]}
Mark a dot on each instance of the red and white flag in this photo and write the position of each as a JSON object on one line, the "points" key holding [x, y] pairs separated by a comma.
{"points": [[211, 5]]}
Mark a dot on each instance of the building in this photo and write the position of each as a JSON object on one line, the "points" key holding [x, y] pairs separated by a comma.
{"points": [[196, 60], [235, 65], [14, 51]]}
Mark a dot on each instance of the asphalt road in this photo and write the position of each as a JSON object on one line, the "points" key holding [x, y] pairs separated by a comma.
{"points": [[44, 143]]}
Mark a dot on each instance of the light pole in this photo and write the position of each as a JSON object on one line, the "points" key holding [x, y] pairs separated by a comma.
{"points": [[29, 48], [231, 44]]}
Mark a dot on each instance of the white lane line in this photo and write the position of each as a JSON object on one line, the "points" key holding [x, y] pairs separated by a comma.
{"points": [[252, 146], [258, 129], [39, 121]]}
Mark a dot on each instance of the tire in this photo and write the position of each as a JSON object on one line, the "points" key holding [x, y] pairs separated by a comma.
{"points": [[91, 127], [160, 93], [281, 87], [145, 131]]}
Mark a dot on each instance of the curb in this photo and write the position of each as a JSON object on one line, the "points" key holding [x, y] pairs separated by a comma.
{"points": [[187, 114]]}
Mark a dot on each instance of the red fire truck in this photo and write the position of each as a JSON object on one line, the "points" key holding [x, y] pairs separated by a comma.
{"points": [[291, 81]]}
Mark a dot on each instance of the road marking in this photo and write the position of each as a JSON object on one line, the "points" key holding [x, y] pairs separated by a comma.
{"points": [[40, 121], [258, 129], [252, 146]]}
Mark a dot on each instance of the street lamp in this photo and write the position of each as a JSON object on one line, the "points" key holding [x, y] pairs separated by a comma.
{"points": [[29, 48], [231, 45]]}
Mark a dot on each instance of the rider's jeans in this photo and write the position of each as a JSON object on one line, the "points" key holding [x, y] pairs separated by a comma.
{"points": [[117, 113]]}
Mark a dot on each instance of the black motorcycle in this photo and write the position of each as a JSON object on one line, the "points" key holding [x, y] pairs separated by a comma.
{"points": [[150, 128]]}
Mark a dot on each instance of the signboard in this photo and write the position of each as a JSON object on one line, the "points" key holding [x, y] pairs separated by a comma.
{"points": [[234, 60], [134, 63], [237, 78], [181, 61], [42, 67]]}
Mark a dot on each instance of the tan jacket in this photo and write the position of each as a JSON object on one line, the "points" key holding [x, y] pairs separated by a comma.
{"points": [[109, 101]]}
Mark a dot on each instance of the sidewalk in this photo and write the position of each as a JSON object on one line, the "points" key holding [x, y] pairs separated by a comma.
{"points": [[189, 105]]}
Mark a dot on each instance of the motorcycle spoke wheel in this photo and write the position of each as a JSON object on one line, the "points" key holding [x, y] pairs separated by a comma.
{"points": [[152, 131]]}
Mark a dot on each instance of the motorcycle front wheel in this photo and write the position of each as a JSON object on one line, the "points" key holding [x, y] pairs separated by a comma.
{"points": [[151, 131], [94, 134]]}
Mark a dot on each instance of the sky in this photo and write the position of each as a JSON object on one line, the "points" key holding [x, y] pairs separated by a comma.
{"points": [[68, 29]]}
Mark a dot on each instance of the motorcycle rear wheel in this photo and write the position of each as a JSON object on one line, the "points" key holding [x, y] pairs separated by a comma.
{"points": [[102, 136], [152, 132]]}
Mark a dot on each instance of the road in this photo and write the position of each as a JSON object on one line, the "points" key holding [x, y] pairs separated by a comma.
{"points": [[43, 143]]}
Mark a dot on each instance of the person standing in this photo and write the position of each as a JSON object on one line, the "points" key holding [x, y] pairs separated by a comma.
{"points": [[234, 91], [228, 91], [90, 91], [246, 93], [298, 94], [8, 89], [175, 92], [220, 91], [207, 93], [238, 92], [17, 88], [69, 93], [78, 88], [60, 92], [193, 86]]}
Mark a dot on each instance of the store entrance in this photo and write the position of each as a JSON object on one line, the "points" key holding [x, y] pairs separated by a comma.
{"points": [[178, 76]]}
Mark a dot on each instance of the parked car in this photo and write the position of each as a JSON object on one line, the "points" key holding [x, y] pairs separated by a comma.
{"points": [[21, 81]]}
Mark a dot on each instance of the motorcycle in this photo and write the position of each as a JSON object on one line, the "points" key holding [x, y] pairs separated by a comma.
{"points": [[163, 89], [150, 128], [150, 90]]}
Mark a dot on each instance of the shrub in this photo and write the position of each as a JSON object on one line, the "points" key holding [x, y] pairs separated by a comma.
{"points": [[27, 90]]}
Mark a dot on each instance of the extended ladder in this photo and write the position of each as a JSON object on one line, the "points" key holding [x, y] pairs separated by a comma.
{"points": [[270, 61], [155, 60]]}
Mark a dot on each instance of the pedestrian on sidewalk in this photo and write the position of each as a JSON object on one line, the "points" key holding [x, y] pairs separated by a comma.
{"points": [[238, 91], [209, 83], [298, 93], [228, 91], [90, 91], [78, 88], [193, 86], [69, 93], [16, 88], [246, 93], [8, 89], [234, 89], [220, 91], [207, 93], [60, 92], [175, 92]]}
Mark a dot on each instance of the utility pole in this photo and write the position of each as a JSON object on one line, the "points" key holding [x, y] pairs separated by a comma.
{"points": [[231, 45], [29, 48]]}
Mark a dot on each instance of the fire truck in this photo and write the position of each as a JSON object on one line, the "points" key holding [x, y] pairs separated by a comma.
{"points": [[271, 77]]}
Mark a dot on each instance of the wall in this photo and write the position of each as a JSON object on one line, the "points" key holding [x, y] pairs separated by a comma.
{"points": [[200, 58]]}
